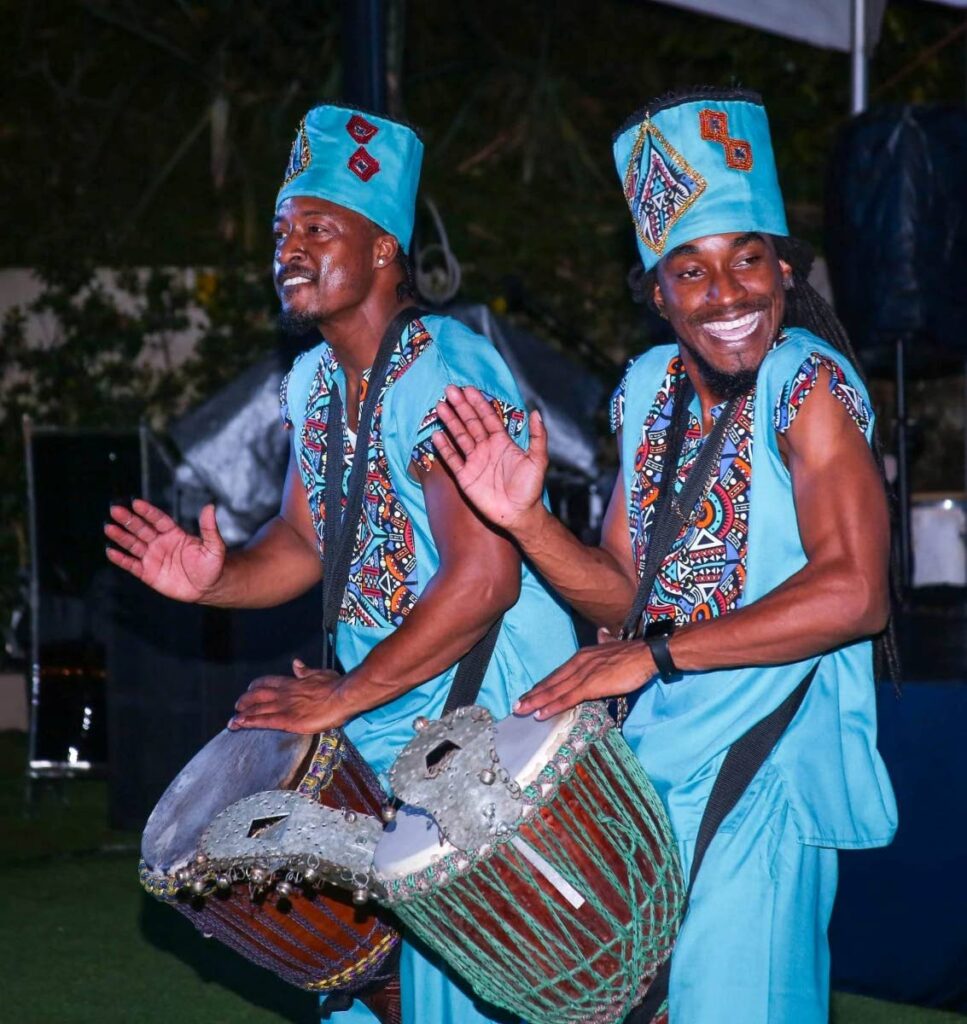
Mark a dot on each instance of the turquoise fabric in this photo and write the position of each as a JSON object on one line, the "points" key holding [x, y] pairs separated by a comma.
{"points": [[835, 781], [753, 947], [536, 635], [366, 163], [703, 167]]}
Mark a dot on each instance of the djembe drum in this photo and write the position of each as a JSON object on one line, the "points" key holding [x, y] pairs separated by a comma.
{"points": [[309, 934], [536, 858]]}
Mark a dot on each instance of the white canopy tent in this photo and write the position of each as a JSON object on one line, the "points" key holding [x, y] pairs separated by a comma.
{"points": [[852, 26]]}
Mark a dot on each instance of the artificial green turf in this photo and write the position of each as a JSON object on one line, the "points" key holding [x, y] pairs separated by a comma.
{"points": [[80, 943]]}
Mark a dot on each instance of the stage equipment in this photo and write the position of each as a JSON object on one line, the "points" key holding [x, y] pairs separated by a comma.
{"points": [[896, 245], [326, 943], [72, 475], [174, 673], [533, 856], [939, 534]]}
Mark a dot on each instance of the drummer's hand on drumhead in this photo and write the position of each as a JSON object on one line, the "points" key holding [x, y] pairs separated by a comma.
{"points": [[307, 702], [611, 668], [503, 481], [149, 544]]}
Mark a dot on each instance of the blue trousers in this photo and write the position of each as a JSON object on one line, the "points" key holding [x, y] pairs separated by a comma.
{"points": [[753, 946]]}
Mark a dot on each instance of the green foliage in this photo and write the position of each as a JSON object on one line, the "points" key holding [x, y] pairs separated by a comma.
{"points": [[154, 135], [108, 358]]}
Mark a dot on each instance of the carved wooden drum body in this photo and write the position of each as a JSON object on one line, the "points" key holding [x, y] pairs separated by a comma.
{"points": [[272, 907], [536, 858]]}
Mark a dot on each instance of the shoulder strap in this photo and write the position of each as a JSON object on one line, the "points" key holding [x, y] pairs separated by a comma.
{"points": [[342, 523], [742, 762], [471, 671], [672, 510]]}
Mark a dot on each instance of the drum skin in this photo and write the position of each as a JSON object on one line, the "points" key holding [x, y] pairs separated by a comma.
{"points": [[317, 938]]}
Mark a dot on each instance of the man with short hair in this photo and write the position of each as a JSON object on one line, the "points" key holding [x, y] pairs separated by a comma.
{"points": [[427, 578], [775, 564]]}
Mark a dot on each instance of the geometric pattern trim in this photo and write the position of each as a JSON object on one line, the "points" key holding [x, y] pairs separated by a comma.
{"points": [[659, 186], [703, 575]]}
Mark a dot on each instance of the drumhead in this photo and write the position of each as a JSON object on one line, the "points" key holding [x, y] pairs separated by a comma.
{"points": [[235, 764], [524, 746]]}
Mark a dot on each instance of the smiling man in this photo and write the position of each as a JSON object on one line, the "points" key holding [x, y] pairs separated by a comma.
{"points": [[424, 579], [745, 553]]}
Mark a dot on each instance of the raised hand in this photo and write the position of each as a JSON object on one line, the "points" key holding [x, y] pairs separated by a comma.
{"points": [[502, 481], [153, 547]]}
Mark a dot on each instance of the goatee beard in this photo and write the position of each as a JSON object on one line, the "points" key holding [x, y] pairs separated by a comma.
{"points": [[295, 324], [725, 386]]}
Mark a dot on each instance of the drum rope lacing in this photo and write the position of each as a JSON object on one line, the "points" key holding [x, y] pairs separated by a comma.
{"points": [[563, 976]]}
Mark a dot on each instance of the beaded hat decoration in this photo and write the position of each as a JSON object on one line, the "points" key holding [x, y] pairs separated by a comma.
{"points": [[366, 163], [698, 164]]}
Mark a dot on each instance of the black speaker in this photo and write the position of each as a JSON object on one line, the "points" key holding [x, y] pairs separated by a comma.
{"points": [[174, 672], [896, 232], [71, 475]]}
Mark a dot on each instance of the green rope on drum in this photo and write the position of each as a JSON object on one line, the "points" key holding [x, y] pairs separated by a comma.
{"points": [[484, 928]]}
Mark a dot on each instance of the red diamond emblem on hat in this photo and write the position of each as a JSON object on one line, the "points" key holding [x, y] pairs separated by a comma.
{"points": [[360, 129], [738, 154], [363, 164]]}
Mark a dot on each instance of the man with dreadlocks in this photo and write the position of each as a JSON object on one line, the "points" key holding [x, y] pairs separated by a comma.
{"points": [[745, 552]]}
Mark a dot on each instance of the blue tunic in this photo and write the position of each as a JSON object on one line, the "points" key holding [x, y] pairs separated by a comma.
{"points": [[396, 556], [753, 947]]}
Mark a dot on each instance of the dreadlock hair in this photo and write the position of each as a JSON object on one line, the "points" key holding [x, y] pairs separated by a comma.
{"points": [[806, 308], [406, 289]]}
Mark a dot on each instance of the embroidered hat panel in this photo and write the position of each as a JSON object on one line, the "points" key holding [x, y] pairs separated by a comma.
{"points": [[367, 163], [698, 164]]}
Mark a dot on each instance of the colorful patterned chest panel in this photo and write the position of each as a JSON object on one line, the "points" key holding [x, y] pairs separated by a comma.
{"points": [[703, 574], [382, 585]]}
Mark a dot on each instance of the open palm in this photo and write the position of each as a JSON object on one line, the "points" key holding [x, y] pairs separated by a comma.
{"points": [[153, 547], [500, 479]]}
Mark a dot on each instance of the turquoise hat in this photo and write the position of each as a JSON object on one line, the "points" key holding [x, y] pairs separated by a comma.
{"points": [[366, 163], [698, 164]]}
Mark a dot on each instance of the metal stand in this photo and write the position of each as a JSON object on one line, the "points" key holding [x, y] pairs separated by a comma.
{"points": [[903, 469]]}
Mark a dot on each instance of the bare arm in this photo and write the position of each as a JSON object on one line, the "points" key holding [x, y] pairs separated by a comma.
{"points": [[505, 483], [478, 579], [840, 595], [278, 564]]}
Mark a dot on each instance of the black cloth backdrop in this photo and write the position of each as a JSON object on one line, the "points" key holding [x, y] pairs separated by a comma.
{"points": [[896, 231]]}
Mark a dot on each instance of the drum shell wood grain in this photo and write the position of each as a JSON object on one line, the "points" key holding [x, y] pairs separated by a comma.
{"points": [[532, 924], [317, 939]]}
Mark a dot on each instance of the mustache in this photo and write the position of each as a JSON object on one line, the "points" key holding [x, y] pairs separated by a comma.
{"points": [[731, 313], [285, 273]]}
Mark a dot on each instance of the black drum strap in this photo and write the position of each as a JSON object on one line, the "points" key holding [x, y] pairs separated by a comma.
{"points": [[742, 762], [471, 670], [341, 524], [339, 535], [673, 510]]}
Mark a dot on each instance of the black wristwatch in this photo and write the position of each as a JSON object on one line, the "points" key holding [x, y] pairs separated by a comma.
{"points": [[664, 662]]}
